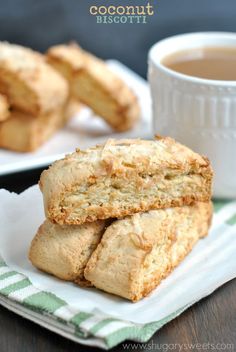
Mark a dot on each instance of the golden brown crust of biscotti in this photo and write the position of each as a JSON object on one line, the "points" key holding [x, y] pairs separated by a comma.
{"points": [[63, 251], [4, 108], [73, 107], [95, 85], [30, 84], [22, 132], [123, 177], [137, 252]]}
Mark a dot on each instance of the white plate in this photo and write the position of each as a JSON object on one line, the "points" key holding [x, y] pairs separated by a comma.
{"points": [[83, 130]]}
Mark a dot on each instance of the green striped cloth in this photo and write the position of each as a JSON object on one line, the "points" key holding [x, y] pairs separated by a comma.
{"points": [[19, 295]]}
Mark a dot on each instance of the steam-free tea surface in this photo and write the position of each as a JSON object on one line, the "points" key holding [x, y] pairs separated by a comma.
{"points": [[216, 63]]}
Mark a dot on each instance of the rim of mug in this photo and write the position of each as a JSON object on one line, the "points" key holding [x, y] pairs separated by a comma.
{"points": [[157, 60]]}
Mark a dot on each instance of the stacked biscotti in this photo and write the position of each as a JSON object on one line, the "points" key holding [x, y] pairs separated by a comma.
{"points": [[33, 98], [121, 216], [39, 93]]}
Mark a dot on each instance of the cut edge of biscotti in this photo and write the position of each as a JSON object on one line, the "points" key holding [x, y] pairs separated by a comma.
{"points": [[63, 251], [4, 108], [22, 132], [138, 252], [95, 85], [123, 177]]}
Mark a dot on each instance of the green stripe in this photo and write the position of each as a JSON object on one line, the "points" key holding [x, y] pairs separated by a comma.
{"points": [[2, 263], [232, 220], [15, 287], [6, 275], [80, 317], [101, 324], [219, 204], [77, 320], [80, 333], [141, 333], [44, 301], [132, 333]]}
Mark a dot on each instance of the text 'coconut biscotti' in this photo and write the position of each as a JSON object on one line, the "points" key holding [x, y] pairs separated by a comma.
{"points": [[64, 251], [94, 84], [123, 177], [137, 252]]}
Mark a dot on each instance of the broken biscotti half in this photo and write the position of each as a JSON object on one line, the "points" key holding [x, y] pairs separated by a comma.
{"points": [[95, 85], [123, 177], [64, 251], [29, 82], [137, 252], [128, 258], [4, 108], [23, 132]]}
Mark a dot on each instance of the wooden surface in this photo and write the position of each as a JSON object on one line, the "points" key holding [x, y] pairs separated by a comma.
{"points": [[211, 321]]}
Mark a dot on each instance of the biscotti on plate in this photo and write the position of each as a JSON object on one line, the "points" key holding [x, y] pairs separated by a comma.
{"points": [[64, 250], [29, 82], [95, 85], [4, 108], [137, 252], [23, 132], [123, 177]]}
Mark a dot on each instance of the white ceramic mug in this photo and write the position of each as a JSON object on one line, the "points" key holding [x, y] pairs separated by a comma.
{"points": [[197, 112]]}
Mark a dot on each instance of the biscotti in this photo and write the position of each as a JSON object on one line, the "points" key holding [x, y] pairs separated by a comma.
{"points": [[73, 107], [4, 108], [137, 252], [95, 85], [24, 133], [64, 250], [30, 84], [123, 177]]}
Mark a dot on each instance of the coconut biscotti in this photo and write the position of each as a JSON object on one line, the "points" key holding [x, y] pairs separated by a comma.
{"points": [[23, 132], [123, 177], [127, 257], [64, 250], [137, 252], [4, 108], [30, 84], [94, 84]]}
